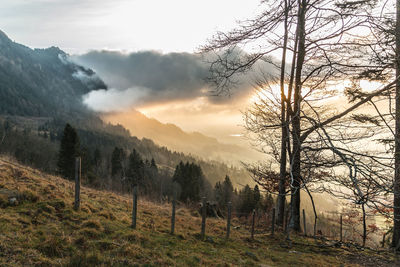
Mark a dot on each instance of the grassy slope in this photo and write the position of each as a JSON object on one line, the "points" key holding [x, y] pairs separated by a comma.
{"points": [[44, 230]]}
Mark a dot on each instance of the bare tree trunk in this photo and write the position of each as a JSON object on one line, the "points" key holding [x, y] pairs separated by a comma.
{"points": [[396, 201], [314, 209], [295, 160], [282, 171], [364, 237]]}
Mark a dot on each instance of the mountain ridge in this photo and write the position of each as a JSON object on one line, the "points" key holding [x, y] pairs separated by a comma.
{"points": [[174, 137], [42, 82]]}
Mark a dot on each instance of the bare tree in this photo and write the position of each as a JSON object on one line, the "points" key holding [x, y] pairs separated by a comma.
{"points": [[383, 46], [396, 189], [318, 40]]}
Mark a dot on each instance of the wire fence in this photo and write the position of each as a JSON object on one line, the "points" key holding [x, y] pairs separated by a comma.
{"points": [[341, 227]]}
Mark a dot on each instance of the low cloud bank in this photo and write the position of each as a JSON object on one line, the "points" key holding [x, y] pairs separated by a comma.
{"points": [[149, 77]]}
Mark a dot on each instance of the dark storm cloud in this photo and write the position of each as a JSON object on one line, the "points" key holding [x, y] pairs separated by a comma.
{"points": [[152, 77], [166, 77]]}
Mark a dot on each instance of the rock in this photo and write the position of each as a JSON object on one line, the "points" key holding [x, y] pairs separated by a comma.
{"points": [[9, 197], [13, 201]]}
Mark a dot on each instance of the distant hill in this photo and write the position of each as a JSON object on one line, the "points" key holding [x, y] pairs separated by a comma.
{"points": [[175, 138]]}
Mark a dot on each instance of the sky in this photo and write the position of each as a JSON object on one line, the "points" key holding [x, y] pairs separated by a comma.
{"points": [[78, 26], [145, 50]]}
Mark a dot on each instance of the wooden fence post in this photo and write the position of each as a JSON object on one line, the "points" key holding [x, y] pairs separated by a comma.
{"points": [[273, 222], [304, 223], [228, 223], [77, 202], [134, 208], [315, 227], [252, 224], [286, 220], [341, 228], [397, 247], [173, 208], [203, 219]]}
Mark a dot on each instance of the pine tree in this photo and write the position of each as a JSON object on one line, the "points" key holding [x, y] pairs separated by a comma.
{"points": [[136, 168], [228, 190], [246, 200], [223, 192], [96, 158], [249, 199], [117, 159], [154, 165], [218, 193], [69, 149], [191, 179]]}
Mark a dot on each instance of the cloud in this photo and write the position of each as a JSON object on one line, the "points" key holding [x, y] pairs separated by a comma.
{"points": [[161, 77], [114, 100], [88, 78], [150, 77]]}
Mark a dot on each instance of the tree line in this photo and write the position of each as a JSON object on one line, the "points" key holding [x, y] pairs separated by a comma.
{"points": [[128, 170], [36, 141], [111, 162]]}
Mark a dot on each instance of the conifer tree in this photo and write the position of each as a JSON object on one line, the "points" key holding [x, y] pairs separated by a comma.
{"points": [[135, 168], [69, 149], [96, 158], [191, 179], [117, 158], [223, 192], [154, 165], [246, 199]]}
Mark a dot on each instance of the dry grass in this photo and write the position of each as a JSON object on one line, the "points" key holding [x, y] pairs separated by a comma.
{"points": [[43, 229]]}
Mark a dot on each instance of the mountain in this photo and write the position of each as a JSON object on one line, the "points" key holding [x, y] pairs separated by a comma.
{"points": [[44, 83], [41, 91], [41, 82], [175, 138]]}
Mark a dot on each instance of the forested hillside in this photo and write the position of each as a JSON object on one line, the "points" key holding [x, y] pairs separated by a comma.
{"points": [[41, 82], [41, 91]]}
